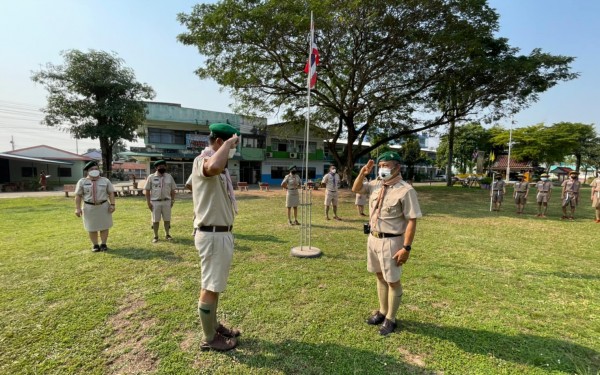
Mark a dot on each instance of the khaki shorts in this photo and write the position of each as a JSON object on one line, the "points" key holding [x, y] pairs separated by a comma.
{"points": [[520, 199], [161, 208], [216, 253], [570, 201], [542, 198], [379, 257], [497, 197], [331, 198]]}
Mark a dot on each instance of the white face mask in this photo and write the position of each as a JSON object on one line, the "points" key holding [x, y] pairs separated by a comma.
{"points": [[95, 173], [385, 173], [231, 153], [544, 179]]}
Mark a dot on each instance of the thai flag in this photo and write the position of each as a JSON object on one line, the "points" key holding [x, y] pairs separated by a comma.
{"points": [[313, 59]]}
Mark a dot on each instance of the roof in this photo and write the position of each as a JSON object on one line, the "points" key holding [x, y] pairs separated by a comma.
{"points": [[48, 152], [561, 170], [35, 160], [501, 163]]}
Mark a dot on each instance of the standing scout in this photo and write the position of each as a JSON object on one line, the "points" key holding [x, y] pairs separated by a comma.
{"points": [[544, 190], [331, 182], [394, 210], [570, 194], [292, 183], [214, 208], [521, 192], [98, 195], [160, 197], [498, 191], [596, 196]]}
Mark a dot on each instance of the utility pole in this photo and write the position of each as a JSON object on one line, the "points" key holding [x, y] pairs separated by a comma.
{"points": [[12, 141]]}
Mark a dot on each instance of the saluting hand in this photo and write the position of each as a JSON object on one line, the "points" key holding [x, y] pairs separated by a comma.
{"points": [[367, 168]]}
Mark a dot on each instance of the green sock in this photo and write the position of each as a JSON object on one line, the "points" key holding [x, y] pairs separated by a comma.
{"points": [[382, 293], [207, 312], [394, 299]]}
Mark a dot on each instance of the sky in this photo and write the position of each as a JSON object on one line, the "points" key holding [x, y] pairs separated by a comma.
{"points": [[143, 33]]}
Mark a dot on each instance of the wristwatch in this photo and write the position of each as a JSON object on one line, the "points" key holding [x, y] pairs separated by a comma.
{"points": [[407, 247]]}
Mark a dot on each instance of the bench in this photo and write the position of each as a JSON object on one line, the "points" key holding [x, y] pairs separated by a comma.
{"points": [[68, 189], [264, 186], [242, 186]]}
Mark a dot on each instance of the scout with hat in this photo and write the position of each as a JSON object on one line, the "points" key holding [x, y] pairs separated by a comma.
{"points": [[544, 190], [521, 191], [497, 192], [98, 197], [595, 185], [570, 194], [292, 183], [331, 182], [160, 196], [394, 209], [215, 208]]}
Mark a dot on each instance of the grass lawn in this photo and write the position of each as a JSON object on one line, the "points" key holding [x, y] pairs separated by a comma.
{"points": [[484, 293]]}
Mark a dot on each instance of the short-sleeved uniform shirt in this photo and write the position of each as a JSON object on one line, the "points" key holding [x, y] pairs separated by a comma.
{"points": [[95, 193], [543, 191], [293, 184], [331, 181], [571, 188], [160, 186], [596, 193], [498, 190], [521, 189]]}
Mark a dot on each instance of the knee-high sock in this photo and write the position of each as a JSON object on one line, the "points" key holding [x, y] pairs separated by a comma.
{"points": [[215, 314], [382, 293], [207, 312], [394, 299]]}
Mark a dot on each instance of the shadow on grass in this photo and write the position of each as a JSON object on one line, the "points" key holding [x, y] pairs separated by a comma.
{"points": [[294, 357], [258, 238], [565, 275], [145, 254], [547, 353]]}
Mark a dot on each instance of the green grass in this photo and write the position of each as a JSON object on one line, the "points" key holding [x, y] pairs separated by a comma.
{"points": [[484, 293]]}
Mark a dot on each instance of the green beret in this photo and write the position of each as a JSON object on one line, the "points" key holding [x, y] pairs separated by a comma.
{"points": [[90, 164], [223, 131], [159, 162], [390, 155], [292, 167]]}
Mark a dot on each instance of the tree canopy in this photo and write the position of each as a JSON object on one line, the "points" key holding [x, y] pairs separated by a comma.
{"points": [[468, 140], [387, 68], [93, 95]]}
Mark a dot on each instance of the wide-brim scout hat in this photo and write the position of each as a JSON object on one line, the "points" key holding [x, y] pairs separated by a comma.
{"points": [[292, 168], [223, 131], [389, 156], [159, 162], [498, 176], [544, 175], [573, 173], [90, 164]]}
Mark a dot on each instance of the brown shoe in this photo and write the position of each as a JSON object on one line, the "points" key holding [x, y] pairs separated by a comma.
{"points": [[387, 327], [227, 332], [219, 343], [376, 318]]}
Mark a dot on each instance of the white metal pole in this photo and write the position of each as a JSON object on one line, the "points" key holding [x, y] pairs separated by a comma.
{"points": [[509, 149]]}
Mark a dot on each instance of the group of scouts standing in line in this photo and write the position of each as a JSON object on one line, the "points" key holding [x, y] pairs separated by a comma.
{"points": [[570, 190], [393, 213]]}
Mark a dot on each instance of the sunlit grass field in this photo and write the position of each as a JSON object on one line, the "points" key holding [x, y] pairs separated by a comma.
{"points": [[484, 293]]}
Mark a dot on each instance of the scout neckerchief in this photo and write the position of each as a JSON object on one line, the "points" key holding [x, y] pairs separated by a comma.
{"points": [[377, 209], [94, 191], [207, 153]]}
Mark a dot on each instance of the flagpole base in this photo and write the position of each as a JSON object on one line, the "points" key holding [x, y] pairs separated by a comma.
{"points": [[306, 252]]}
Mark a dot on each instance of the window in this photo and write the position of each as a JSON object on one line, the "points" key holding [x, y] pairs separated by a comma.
{"points": [[28, 172], [278, 172], [249, 142], [311, 172], [166, 136], [312, 147], [64, 172]]}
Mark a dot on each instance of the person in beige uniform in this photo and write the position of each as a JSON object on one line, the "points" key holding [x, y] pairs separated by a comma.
{"points": [[544, 191], [160, 196], [215, 208], [570, 194], [394, 209], [292, 183], [98, 195], [595, 197], [361, 201], [331, 181], [498, 191], [521, 191]]}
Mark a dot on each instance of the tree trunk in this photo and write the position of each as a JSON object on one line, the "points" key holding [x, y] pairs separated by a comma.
{"points": [[450, 153], [106, 147], [577, 162]]}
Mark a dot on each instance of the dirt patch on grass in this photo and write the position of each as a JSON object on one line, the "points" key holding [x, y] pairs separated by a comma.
{"points": [[126, 346]]}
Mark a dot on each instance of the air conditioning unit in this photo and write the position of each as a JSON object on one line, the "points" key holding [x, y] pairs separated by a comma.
{"points": [[293, 155], [269, 154]]}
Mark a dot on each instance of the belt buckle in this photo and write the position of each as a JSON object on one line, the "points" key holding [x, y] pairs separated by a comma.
{"points": [[376, 234]]}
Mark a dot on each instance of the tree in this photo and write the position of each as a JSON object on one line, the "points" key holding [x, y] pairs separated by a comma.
{"points": [[468, 140], [385, 66], [93, 95], [411, 155], [580, 138]]}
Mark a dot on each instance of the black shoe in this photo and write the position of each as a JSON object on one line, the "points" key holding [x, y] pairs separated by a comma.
{"points": [[96, 248], [155, 240], [376, 319], [219, 343], [103, 247], [387, 327], [168, 237]]}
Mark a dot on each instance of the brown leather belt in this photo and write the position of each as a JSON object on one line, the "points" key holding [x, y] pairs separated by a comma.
{"points": [[385, 235], [162, 199], [95, 204], [215, 228]]}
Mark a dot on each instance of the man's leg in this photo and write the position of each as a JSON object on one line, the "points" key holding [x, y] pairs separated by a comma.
{"points": [[207, 309], [289, 212], [394, 299], [155, 226], [295, 214], [545, 208], [167, 228], [94, 238], [382, 293], [327, 212]]}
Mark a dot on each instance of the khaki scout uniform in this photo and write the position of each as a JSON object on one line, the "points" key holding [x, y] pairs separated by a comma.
{"points": [[94, 194], [521, 190], [595, 185], [387, 234], [294, 183], [160, 188], [214, 215], [543, 191], [331, 181], [498, 191], [571, 189]]}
